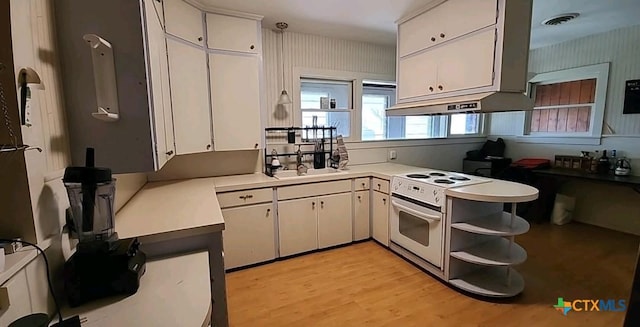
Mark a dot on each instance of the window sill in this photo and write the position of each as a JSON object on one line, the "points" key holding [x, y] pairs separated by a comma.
{"points": [[568, 140], [372, 144]]}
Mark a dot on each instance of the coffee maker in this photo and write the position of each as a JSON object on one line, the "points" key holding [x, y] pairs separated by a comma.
{"points": [[102, 265]]}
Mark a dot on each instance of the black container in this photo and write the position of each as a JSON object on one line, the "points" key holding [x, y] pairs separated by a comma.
{"points": [[318, 160], [291, 136]]}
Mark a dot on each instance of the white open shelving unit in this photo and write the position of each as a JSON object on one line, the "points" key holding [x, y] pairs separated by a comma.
{"points": [[482, 248]]}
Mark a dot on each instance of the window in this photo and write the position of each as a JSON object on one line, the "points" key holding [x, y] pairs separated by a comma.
{"points": [[377, 126], [316, 98], [466, 124], [568, 103], [563, 107]]}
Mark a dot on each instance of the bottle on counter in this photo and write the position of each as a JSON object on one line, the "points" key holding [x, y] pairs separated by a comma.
{"points": [[603, 163], [613, 160]]}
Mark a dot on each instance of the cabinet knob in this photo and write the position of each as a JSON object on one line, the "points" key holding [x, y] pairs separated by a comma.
{"points": [[433, 39], [442, 35], [359, 197], [200, 38], [379, 186], [440, 87], [255, 146], [169, 153], [313, 205], [268, 211], [321, 204], [384, 201], [208, 146], [363, 185], [430, 88], [252, 47]]}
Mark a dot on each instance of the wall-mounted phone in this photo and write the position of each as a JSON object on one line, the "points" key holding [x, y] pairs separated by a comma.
{"points": [[26, 76]]}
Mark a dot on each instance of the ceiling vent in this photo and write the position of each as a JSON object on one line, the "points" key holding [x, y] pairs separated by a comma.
{"points": [[560, 19]]}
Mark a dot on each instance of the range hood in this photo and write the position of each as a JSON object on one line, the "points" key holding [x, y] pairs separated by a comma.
{"points": [[469, 103]]}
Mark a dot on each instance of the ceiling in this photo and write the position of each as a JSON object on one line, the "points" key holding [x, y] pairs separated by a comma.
{"points": [[374, 20]]}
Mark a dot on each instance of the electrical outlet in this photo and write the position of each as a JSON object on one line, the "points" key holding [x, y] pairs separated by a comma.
{"points": [[392, 154]]}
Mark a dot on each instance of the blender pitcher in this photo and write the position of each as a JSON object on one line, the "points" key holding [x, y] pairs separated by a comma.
{"points": [[91, 192]]}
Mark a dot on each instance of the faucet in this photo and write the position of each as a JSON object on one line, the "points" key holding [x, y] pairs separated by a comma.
{"points": [[300, 167]]}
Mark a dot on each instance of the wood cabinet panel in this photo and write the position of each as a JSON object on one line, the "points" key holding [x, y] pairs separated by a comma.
{"points": [[249, 235], [380, 217], [361, 219], [297, 227], [334, 220]]}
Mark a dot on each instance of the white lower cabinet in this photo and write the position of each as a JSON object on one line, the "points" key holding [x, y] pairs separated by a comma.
{"points": [[361, 225], [298, 225], [334, 220], [380, 217], [249, 235]]}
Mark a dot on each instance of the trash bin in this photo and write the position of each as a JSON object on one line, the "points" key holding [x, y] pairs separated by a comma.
{"points": [[563, 209]]}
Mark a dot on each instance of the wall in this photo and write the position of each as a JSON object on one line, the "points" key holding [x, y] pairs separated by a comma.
{"points": [[33, 38], [599, 204]]}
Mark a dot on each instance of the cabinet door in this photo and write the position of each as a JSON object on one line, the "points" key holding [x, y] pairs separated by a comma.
{"points": [[334, 220], [298, 225], [485, 13], [419, 32], [233, 33], [249, 235], [159, 10], [361, 220], [189, 98], [184, 21], [468, 62], [417, 75], [235, 100], [159, 81], [380, 219]]}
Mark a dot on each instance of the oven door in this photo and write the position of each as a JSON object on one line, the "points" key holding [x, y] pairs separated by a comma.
{"points": [[417, 229]]}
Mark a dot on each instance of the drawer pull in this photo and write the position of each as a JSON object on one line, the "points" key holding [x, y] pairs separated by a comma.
{"points": [[363, 184], [245, 197], [442, 35], [359, 198], [379, 187], [430, 88], [313, 205], [440, 87], [268, 211], [433, 39], [200, 38], [169, 153], [252, 47], [384, 201], [322, 204]]}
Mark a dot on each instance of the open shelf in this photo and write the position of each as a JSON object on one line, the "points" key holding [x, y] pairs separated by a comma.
{"points": [[498, 224], [491, 281], [493, 253]]}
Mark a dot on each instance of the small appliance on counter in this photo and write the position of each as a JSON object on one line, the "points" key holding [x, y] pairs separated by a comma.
{"points": [[102, 265], [622, 167]]}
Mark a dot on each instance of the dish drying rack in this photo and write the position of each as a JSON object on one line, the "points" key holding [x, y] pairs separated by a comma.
{"points": [[322, 136]]}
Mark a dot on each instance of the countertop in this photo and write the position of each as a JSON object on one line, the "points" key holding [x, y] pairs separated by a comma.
{"points": [[609, 178], [161, 209], [169, 207], [173, 292]]}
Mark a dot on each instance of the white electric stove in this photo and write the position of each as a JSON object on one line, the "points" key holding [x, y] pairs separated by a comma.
{"points": [[418, 210]]}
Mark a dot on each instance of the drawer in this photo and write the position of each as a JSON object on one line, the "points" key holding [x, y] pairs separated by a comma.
{"points": [[313, 189], [380, 185], [362, 184], [239, 198]]}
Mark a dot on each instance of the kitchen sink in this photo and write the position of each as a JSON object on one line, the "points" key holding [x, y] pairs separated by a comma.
{"points": [[285, 174]]}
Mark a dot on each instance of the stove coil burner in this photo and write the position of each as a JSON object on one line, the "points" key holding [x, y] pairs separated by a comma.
{"points": [[443, 181], [418, 176], [437, 174], [459, 178]]}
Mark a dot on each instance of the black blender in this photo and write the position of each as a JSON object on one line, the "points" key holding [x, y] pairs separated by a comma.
{"points": [[102, 265]]}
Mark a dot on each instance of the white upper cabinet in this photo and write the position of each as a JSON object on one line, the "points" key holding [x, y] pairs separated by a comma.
{"points": [[460, 47], [189, 97], [445, 22], [184, 21], [233, 33], [235, 101], [160, 92]]}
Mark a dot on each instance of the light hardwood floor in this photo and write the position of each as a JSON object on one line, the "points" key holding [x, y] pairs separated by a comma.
{"points": [[366, 285]]}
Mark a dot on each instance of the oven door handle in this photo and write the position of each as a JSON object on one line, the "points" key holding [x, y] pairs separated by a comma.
{"points": [[415, 212]]}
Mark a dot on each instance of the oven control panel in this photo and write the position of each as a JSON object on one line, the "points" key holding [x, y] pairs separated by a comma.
{"points": [[422, 192]]}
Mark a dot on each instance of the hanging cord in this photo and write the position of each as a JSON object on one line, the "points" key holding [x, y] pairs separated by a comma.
{"points": [[46, 263]]}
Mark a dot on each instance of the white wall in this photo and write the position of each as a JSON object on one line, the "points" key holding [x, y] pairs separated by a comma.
{"points": [[599, 204], [34, 46]]}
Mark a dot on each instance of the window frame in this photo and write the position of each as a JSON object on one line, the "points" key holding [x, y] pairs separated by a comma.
{"points": [[358, 80], [598, 71]]}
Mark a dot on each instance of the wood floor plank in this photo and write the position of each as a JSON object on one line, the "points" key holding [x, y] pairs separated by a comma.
{"points": [[366, 285]]}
